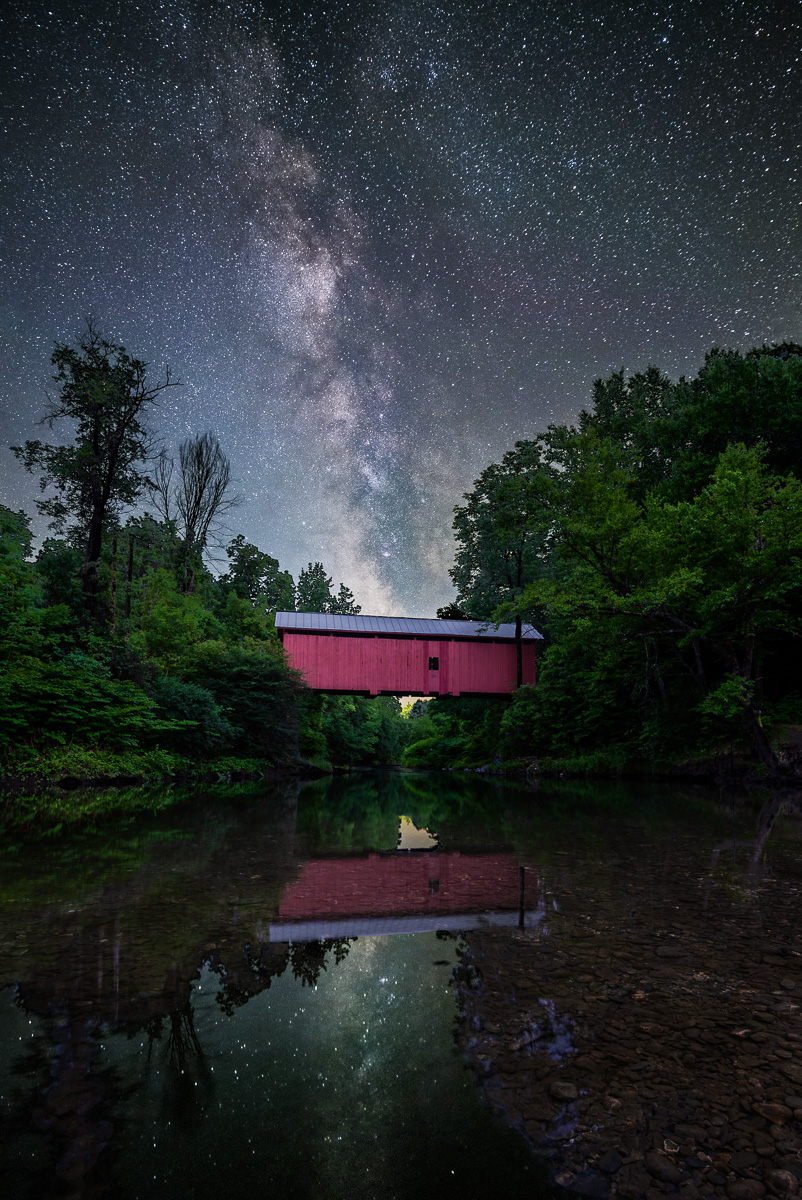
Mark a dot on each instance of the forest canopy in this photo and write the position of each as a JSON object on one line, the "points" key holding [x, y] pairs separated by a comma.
{"points": [[656, 544]]}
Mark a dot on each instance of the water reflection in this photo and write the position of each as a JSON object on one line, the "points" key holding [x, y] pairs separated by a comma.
{"points": [[627, 968], [406, 892], [412, 838]]}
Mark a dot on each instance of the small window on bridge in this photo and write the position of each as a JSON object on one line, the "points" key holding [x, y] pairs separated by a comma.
{"points": [[434, 664]]}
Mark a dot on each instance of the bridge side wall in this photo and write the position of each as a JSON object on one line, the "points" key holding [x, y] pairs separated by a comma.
{"points": [[400, 666]]}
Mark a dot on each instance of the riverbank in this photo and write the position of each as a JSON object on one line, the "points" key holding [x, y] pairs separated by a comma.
{"points": [[726, 765], [74, 785], [641, 1050]]}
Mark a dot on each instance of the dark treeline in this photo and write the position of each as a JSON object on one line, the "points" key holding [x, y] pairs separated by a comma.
{"points": [[656, 545], [122, 650]]}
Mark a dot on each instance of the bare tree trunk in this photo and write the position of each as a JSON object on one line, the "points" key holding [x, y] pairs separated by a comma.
{"points": [[129, 576], [90, 581], [114, 583], [200, 497], [761, 742]]}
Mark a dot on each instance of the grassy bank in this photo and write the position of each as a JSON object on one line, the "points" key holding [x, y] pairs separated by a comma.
{"points": [[70, 767]]}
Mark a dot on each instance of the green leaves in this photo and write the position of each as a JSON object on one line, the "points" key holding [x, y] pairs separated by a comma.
{"points": [[313, 593], [255, 576], [671, 577], [501, 531], [74, 700]]}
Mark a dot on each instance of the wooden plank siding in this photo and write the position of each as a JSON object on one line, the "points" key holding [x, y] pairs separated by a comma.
{"points": [[371, 664]]}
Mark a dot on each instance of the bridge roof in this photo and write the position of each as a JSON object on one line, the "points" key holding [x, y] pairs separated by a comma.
{"points": [[406, 626]]}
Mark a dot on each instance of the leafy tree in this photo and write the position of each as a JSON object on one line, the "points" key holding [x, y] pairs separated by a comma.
{"points": [[15, 535], [169, 624], [313, 589], [638, 416], [454, 732], [58, 566], [200, 726], [255, 691], [20, 588], [343, 602], [452, 612], [500, 534], [255, 576], [73, 699], [669, 435], [313, 593], [359, 730], [103, 391], [704, 585]]}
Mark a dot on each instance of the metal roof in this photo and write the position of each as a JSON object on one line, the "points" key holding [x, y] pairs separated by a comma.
{"points": [[411, 626]]}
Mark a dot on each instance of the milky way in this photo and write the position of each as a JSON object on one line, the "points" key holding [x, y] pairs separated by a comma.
{"points": [[379, 242]]}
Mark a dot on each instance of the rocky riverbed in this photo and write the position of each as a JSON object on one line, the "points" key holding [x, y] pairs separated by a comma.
{"points": [[647, 1040]]}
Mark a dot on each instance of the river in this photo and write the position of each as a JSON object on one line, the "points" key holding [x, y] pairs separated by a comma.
{"points": [[406, 985]]}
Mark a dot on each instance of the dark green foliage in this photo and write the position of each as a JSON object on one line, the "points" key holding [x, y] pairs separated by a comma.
{"points": [[754, 399], [255, 576], [204, 728], [15, 535], [665, 544], [104, 395], [73, 699], [452, 612], [455, 733], [255, 692], [344, 604], [673, 586], [58, 565], [312, 745], [501, 534], [118, 639], [499, 540], [313, 593], [363, 731], [670, 435], [313, 590]]}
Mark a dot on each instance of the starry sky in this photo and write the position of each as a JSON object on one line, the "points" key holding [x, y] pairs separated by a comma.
{"points": [[379, 242]]}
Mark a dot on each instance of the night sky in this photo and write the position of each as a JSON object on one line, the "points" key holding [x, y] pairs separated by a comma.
{"points": [[379, 242]]}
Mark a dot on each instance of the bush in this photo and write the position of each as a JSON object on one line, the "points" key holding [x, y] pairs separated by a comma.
{"points": [[204, 727], [74, 700], [255, 691]]}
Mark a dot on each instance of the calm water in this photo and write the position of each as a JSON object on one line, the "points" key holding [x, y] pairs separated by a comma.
{"points": [[261, 990]]}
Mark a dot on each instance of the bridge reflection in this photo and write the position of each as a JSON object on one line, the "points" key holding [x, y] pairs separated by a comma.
{"points": [[402, 892]]}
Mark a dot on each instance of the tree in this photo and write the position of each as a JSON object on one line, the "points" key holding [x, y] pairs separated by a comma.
{"points": [[639, 416], [197, 500], [255, 576], [452, 612], [313, 593], [255, 690], [754, 399], [705, 586], [500, 535], [343, 602], [313, 589], [105, 392], [669, 435]]}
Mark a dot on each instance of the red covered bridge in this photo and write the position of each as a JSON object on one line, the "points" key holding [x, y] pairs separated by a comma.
{"points": [[405, 656]]}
